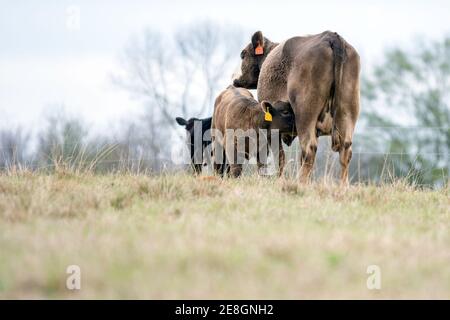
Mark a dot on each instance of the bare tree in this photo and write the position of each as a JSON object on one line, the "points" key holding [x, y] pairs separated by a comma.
{"points": [[208, 52], [14, 147], [177, 75]]}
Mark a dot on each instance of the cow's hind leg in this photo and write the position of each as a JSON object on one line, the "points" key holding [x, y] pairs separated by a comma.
{"points": [[222, 167], [306, 111], [309, 90], [197, 168], [219, 159], [344, 128], [346, 115], [308, 103]]}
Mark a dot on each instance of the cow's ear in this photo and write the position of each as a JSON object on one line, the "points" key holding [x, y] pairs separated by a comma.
{"points": [[181, 121], [267, 106], [258, 43]]}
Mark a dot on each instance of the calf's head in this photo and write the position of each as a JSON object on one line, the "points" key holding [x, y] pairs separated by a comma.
{"points": [[190, 133], [196, 150], [252, 58], [283, 118]]}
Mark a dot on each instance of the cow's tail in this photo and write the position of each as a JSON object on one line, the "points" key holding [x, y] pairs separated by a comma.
{"points": [[338, 46]]}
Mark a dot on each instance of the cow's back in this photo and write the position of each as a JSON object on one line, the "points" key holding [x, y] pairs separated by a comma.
{"points": [[230, 109], [286, 61]]}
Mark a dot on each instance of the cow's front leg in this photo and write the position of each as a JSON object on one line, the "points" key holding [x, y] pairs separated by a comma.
{"points": [[279, 157], [308, 146], [282, 160], [235, 170], [234, 160], [261, 162], [197, 168]]}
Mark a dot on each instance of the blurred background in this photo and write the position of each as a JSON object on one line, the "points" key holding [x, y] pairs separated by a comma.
{"points": [[97, 84]]}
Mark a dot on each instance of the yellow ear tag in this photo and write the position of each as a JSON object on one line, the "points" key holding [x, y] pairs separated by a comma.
{"points": [[267, 116]]}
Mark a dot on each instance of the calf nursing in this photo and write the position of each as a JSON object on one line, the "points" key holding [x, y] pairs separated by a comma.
{"points": [[319, 76], [242, 127]]}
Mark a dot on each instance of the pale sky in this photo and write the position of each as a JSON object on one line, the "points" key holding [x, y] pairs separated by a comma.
{"points": [[45, 62]]}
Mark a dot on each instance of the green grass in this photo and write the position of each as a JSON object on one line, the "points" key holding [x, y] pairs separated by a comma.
{"points": [[177, 236]]}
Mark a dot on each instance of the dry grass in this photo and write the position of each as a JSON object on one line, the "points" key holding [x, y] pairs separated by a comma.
{"points": [[177, 236]]}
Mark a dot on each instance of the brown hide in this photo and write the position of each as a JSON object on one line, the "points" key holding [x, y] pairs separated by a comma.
{"points": [[319, 76], [236, 109]]}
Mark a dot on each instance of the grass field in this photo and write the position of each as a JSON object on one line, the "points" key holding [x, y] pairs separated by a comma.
{"points": [[176, 236]]}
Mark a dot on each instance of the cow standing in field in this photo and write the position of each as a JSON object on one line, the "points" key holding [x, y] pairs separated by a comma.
{"points": [[319, 76], [204, 140], [241, 121]]}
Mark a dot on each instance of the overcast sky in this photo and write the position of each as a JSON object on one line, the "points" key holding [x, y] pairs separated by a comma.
{"points": [[46, 60]]}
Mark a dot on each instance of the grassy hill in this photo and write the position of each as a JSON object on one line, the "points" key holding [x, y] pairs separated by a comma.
{"points": [[176, 236]]}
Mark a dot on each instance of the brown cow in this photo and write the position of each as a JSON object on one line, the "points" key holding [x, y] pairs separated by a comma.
{"points": [[319, 76], [238, 120]]}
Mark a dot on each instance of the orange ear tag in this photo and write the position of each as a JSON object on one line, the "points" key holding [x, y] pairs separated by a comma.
{"points": [[259, 50]]}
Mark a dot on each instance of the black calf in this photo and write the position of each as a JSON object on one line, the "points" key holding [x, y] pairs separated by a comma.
{"points": [[199, 148]]}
